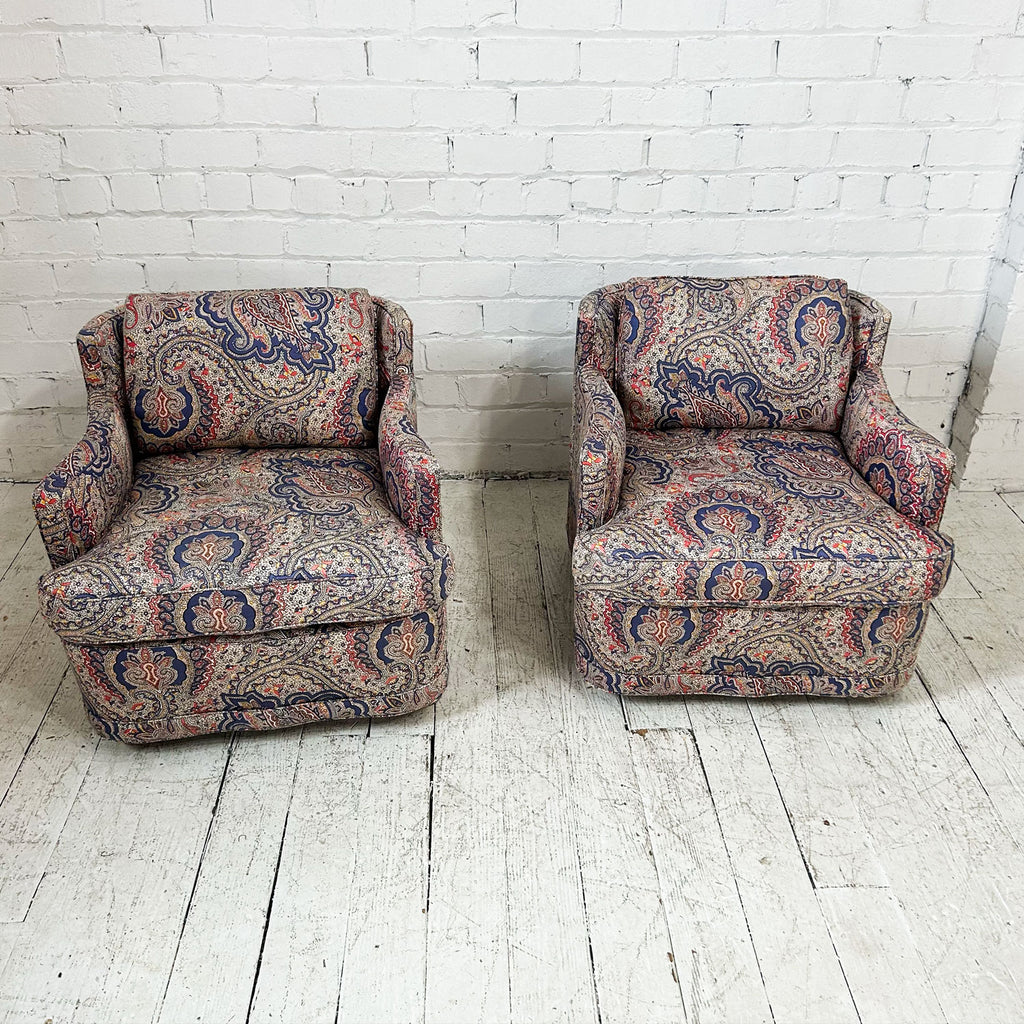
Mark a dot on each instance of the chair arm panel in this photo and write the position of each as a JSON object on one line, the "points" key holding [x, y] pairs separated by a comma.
{"points": [[409, 467], [394, 340], [76, 503], [904, 464], [598, 452], [596, 325]]}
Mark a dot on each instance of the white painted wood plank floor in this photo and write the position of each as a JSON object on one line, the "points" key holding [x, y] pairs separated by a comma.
{"points": [[529, 850]]}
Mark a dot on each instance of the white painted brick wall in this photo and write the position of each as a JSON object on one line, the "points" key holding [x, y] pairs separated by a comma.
{"points": [[485, 163], [988, 433]]}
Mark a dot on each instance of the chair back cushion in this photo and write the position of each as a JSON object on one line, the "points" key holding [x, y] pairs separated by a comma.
{"points": [[739, 352], [253, 369]]}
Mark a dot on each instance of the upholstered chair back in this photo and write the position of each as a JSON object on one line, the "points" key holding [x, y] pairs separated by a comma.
{"points": [[739, 352], [259, 368]]}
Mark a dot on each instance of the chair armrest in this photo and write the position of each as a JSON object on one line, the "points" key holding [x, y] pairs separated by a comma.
{"points": [[904, 464], [77, 502], [598, 452], [409, 467]]}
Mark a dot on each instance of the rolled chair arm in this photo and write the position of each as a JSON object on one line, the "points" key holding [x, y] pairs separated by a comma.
{"points": [[598, 452], [76, 503], [904, 464], [409, 467]]}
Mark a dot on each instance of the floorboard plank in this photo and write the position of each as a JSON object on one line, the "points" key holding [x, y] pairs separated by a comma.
{"points": [[387, 923], [816, 790], [802, 975], [888, 980], [657, 712], [629, 936], [299, 971], [985, 631], [106, 917], [958, 586], [27, 689], [712, 952], [991, 745], [16, 521], [19, 599], [980, 522], [467, 921], [1014, 500], [213, 981], [550, 972], [38, 802], [955, 871]]}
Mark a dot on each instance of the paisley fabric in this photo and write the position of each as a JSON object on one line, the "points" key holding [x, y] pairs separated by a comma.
{"points": [[728, 517], [229, 550], [905, 465], [394, 340], [598, 446], [163, 691], [77, 502], [285, 367], [234, 541], [870, 324], [741, 352], [596, 325], [410, 469], [734, 557], [745, 651]]}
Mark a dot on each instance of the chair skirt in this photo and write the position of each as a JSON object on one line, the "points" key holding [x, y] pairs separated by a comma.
{"points": [[172, 689]]}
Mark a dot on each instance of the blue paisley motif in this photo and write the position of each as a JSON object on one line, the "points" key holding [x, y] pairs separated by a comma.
{"points": [[406, 640], [219, 613], [738, 582], [725, 517], [882, 480], [264, 326], [662, 626], [734, 396], [163, 412], [629, 322], [157, 668], [210, 547], [895, 625], [820, 323], [737, 665]]}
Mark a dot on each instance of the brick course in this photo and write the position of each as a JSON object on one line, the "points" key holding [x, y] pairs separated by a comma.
{"points": [[485, 162]]}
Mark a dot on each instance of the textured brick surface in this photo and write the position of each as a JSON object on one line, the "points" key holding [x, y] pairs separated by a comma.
{"points": [[988, 432], [486, 162]]}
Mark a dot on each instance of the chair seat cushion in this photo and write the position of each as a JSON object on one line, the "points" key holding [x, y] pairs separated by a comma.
{"points": [[236, 541], [775, 517]]}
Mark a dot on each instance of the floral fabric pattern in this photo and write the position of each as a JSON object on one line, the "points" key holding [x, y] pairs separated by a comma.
{"points": [[598, 446], [394, 341], [724, 517], [77, 502], [152, 692], [250, 368], [870, 321], [741, 352], [233, 541], [733, 556], [596, 325], [905, 465], [746, 651], [225, 548], [410, 469]]}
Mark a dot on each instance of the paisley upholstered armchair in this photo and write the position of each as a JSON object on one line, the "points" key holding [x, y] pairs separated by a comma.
{"points": [[750, 513], [249, 534]]}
